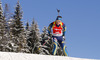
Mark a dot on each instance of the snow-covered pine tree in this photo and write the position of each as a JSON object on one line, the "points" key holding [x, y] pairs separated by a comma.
{"points": [[27, 32], [6, 12], [34, 38], [48, 44], [18, 26], [27, 26], [3, 35], [17, 36]]}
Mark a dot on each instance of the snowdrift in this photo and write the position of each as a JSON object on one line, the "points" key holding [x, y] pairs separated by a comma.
{"points": [[24, 56]]}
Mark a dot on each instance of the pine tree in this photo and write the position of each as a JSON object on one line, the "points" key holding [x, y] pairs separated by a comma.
{"points": [[2, 22], [27, 26], [46, 42], [33, 39], [18, 26], [3, 35], [6, 12], [17, 33]]}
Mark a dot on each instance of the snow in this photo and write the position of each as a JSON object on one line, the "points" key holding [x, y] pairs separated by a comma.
{"points": [[24, 56]]}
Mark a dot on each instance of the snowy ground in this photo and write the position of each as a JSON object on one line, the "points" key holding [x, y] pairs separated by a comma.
{"points": [[24, 56]]}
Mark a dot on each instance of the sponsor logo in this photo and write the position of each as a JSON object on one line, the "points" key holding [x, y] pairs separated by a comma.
{"points": [[57, 29]]}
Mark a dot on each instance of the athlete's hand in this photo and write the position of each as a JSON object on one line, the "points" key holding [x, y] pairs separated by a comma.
{"points": [[48, 37], [63, 37]]}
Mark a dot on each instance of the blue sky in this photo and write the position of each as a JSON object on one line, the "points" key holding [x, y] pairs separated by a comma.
{"points": [[82, 18]]}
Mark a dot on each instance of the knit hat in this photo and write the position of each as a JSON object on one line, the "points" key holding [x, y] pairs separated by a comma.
{"points": [[59, 18]]}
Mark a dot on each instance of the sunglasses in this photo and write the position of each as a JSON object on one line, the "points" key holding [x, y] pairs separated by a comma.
{"points": [[58, 21]]}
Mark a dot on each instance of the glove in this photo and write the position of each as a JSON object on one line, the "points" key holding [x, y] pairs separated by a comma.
{"points": [[49, 37], [63, 37], [50, 34]]}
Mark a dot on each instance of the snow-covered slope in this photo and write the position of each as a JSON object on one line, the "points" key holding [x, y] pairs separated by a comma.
{"points": [[24, 56]]}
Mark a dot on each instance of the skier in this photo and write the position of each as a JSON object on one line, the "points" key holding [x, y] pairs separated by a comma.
{"points": [[57, 29]]}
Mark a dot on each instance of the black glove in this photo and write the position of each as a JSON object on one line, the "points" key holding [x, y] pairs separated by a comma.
{"points": [[50, 35]]}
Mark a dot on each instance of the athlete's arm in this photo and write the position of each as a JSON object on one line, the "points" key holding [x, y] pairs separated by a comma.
{"points": [[49, 28], [64, 29]]}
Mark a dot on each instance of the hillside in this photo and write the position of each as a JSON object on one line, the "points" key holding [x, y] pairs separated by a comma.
{"points": [[24, 56]]}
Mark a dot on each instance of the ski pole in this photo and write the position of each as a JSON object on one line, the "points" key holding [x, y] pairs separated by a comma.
{"points": [[46, 42]]}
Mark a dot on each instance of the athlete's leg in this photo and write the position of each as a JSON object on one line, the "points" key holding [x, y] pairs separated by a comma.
{"points": [[64, 48], [55, 45]]}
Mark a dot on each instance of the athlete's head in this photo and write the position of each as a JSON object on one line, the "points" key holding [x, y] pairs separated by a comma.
{"points": [[58, 20]]}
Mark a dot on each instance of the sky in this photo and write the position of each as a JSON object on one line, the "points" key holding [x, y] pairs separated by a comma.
{"points": [[82, 18]]}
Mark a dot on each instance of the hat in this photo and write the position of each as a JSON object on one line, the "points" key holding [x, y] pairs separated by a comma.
{"points": [[59, 18]]}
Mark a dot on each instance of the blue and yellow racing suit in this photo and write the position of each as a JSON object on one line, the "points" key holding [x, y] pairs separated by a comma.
{"points": [[58, 31]]}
